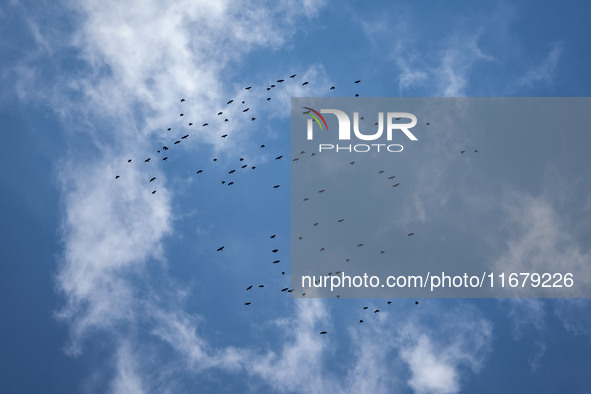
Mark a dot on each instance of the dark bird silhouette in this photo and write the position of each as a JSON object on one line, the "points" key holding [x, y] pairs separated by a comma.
{"points": [[276, 187], [276, 261], [356, 94], [315, 225], [165, 147], [177, 142], [462, 151], [340, 220], [292, 76], [182, 100], [268, 89], [389, 302], [476, 150], [242, 159], [272, 86], [280, 80], [153, 179], [129, 161], [331, 88], [244, 166], [352, 162], [359, 245], [248, 88], [278, 157], [357, 81], [165, 158], [392, 177], [273, 236], [245, 110], [223, 182], [360, 321], [305, 83], [306, 199], [219, 113], [154, 192], [190, 124], [382, 252], [214, 159], [410, 234], [220, 248], [116, 176], [323, 332], [321, 191], [249, 287], [158, 151], [225, 120], [268, 98], [199, 172], [184, 136], [376, 311], [231, 172], [302, 152], [322, 249], [416, 303], [296, 159], [182, 115], [262, 146], [365, 307], [253, 119], [169, 129], [275, 250], [253, 167], [396, 185], [205, 124], [247, 303], [284, 289], [231, 183], [230, 102], [381, 172], [261, 286], [428, 124], [147, 160], [224, 136]]}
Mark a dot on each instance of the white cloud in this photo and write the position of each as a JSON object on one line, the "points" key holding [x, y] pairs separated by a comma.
{"points": [[544, 72]]}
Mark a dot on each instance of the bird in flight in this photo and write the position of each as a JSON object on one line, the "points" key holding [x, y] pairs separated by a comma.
{"points": [[184, 136], [321, 191], [381, 172], [276, 261], [278, 157], [165, 158], [410, 234], [247, 303], [462, 151], [276, 187], [273, 236], [340, 220], [249, 287], [147, 160], [154, 192], [182, 100], [248, 88], [220, 248], [199, 172], [292, 76], [230, 102], [359, 245], [224, 136], [182, 115], [376, 311], [396, 185], [245, 110], [177, 142], [357, 81], [305, 83], [280, 80], [153, 179], [129, 161], [275, 250], [116, 176], [331, 88], [323, 332], [205, 124]]}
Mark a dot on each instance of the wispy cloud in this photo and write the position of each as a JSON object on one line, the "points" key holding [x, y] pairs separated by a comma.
{"points": [[543, 72]]}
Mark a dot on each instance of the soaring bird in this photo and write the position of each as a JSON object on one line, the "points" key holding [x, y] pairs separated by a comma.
{"points": [[272, 86], [392, 177], [231, 172], [462, 151], [275, 250], [410, 234], [249, 287], [416, 303], [428, 124], [248, 88], [230, 102], [322, 249], [389, 302], [268, 88], [273, 236], [331, 88], [262, 146], [306, 199], [268, 98], [278, 157], [219, 113], [244, 166], [165, 158], [261, 285], [284, 289], [476, 150], [253, 119], [340, 220], [230, 183], [365, 307], [357, 81], [247, 303], [359, 245], [225, 120], [305, 83], [245, 110], [169, 129], [352, 162], [220, 248], [154, 192], [315, 225], [190, 124], [182, 100], [199, 172], [214, 159], [177, 142], [276, 187], [376, 311], [323, 332], [321, 191], [147, 160], [381, 172], [382, 252], [205, 124], [296, 159], [224, 136], [153, 179], [184, 136], [129, 161], [395, 185], [276, 261], [292, 76], [360, 321], [182, 115], [280, 80], [165, 147], [116, 176], [356, 94]]}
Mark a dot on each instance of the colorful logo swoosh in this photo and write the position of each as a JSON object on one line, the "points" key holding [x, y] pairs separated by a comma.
{"points": [[315, 118]]}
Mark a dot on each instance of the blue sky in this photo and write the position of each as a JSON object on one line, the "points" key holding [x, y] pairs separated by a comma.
{"points": [[105, 287]]}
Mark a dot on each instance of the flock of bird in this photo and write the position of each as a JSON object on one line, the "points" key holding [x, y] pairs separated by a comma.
{"points": [[242, 166]]}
